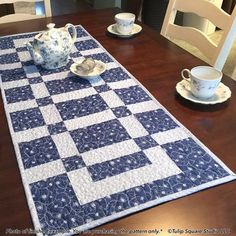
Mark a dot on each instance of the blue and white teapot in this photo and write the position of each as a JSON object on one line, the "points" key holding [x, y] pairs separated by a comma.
{"points": [[51, 48]]}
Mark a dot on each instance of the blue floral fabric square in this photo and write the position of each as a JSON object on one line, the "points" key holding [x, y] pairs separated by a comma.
{"points": [[81, 107], [26, 119], [73, 163], [18, 94], [38, 152], [99, 135]]}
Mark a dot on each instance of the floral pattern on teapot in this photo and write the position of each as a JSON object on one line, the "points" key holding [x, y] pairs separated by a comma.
{"points": [[51, 48]]}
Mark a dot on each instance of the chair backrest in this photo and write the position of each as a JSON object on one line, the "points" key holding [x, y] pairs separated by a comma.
{"points": [[217, 54], [25, 16], [234, 74]]}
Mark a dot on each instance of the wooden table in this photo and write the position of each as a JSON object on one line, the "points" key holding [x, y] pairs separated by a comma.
{"points": [[156, 63]]}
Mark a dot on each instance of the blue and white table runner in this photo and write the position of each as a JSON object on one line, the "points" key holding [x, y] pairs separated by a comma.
{"points": [[93, 151]]}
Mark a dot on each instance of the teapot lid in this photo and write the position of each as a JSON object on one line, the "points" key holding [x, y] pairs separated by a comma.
{"points": [[44, 36], [50, 26]]}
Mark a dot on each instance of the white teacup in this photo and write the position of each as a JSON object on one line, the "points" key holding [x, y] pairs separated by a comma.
{"points": [[204, 80], [124, 22]]}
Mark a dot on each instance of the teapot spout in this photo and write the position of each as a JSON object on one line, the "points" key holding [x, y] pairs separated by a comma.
{"points": [[34, 54]]}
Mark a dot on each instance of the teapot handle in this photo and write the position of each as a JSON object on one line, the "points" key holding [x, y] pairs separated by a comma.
{"points": [[74, 33]]}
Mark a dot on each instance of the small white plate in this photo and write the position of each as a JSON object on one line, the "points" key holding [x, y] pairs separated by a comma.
{"points": [[99, 68], [112, 29], [222, 93]]}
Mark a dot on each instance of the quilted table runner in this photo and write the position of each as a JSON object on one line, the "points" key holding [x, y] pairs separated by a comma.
{"points": [[93, 151]]}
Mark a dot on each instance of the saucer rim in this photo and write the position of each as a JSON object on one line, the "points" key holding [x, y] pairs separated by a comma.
{"points": [[87, 76], [138, 27], [201, 101]]}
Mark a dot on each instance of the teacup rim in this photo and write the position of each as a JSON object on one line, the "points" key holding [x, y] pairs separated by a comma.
{"points": [[207, 67], [125, 13]]}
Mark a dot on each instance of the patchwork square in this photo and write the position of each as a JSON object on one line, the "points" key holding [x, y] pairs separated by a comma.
{"points": [[26, 119], [111, 99], [102, 57], [133, 126], [13, 74], [38, 152], [86, 45], [99, 135], [35, 80], [73, 163], [102, 88], [31, 71], [65, 151], [81, 107], [66, 85], [115, 74], [146, 142], [132, 95], [122, 111], [9, 58], [19, 94], [6, 43], [40, 90], [50, 114], [57, 128], [44, 101], [156, 121], [24, 56]]}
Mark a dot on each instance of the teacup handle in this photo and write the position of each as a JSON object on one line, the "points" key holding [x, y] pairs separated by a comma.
{"points": [[74, 33], [188, 72]]}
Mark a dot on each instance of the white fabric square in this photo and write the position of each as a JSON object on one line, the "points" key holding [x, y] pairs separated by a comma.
{"points": [[31, 134], [143, 107], [110, 152], [92, 119], [15, 83], [31, 71], [134, 128], [112, 99], [84, 38], [7, 51], [10, 66], [73, 95], [65, 145], [40, 90], [170, 136], [122, 84], [97, 81], [44, 171], [91, 51], [21, 41], [24, 56], [17, 106], [56, 76], [112, 65], [50, 114]]}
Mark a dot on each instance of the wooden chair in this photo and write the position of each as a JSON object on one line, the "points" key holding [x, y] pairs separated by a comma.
{"points": [[234, 74], [217, 54], [25, 16]]}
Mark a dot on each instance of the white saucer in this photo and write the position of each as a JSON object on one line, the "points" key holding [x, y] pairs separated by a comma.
{"points": [[112, 29], [222, 93], [99, 68]]}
